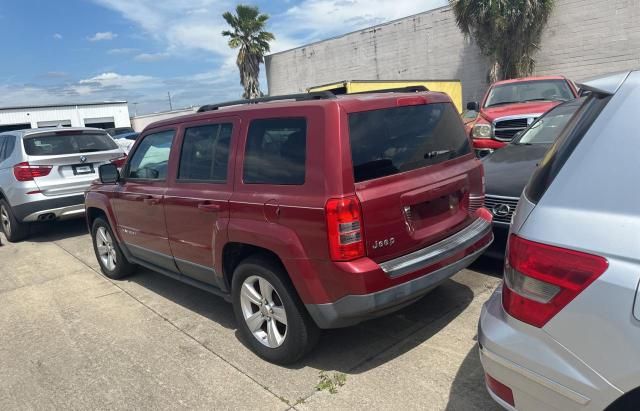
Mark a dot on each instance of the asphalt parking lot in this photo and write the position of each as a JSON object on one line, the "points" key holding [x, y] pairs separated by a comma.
{"points": [[72, 339]]}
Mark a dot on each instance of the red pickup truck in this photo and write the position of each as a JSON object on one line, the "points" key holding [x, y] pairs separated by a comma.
{"points": [[509, 106]]}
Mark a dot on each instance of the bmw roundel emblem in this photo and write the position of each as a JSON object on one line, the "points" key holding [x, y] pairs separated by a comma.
{"points": [[83, 159]]}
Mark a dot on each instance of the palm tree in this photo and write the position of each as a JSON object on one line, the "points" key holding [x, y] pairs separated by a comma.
{"points": [[253, 41], [507, 32]]}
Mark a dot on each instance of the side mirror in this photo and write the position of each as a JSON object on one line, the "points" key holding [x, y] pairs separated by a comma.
{"points": [[108, 174], [473, 106]]}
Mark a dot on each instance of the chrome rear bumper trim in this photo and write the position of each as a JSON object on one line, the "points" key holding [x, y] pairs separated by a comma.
{"points": [[437, 252]]}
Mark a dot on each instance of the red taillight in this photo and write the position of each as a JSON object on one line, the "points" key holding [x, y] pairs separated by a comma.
{"points": [[26, 172], [502, 391], [540, 280], [344, 228], [119, 162], [411, 101]]}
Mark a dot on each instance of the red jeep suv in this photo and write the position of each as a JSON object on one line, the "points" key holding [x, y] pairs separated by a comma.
{"points": [[306, 211]]}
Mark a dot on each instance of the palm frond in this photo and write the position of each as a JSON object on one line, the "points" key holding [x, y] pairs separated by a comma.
{"points": [[506, 31]]}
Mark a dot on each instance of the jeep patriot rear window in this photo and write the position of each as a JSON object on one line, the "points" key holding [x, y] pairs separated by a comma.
{"points": [[394, 140]]}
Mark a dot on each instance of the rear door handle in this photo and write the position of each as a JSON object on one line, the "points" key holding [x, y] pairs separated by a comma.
{"points": [[134, 197], [210, 207], [151, 200]]}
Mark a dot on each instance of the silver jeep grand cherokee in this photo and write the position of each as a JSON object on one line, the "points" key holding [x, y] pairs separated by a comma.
{"points": [[45, 172]]}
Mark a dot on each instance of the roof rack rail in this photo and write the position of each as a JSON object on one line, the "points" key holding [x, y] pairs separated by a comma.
{"points": [[316, 95], [407, 89]]}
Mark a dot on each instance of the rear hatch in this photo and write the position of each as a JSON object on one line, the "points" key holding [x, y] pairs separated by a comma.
{"points": [[73, 157], [414, 172]]}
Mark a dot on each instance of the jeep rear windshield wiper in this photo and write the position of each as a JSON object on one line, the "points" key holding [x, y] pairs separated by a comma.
{"points": [[437, 153]]}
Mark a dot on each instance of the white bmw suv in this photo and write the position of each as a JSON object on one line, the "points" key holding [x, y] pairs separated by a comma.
{"points": [[45, 172]]}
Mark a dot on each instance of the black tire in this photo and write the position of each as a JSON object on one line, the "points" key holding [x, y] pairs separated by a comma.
{"points": [[301, 332], [122, 267], [13, 229]]}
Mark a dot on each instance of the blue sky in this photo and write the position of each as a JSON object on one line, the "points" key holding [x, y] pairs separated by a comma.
{"points": [[137, 50]]}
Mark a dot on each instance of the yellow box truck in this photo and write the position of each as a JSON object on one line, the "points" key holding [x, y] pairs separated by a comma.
{"points": [[452, 87]]}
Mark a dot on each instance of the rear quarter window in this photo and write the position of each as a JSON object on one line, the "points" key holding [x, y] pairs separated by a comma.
{"points": [[399, 139], [276, 152]]}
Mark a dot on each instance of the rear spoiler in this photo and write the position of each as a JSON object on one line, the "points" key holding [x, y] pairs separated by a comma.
{"points": [[604, 85]]}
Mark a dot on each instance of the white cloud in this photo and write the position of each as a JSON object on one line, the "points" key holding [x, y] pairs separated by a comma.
{"points": [[150, 57], [125, 50], [180, 25], [149, 92], [112, 79], [102, 36], [57, 36]]}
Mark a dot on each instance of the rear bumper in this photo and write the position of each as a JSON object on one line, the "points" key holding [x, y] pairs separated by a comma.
{"points": [[542, 374], [441, 260], [60, 207]]}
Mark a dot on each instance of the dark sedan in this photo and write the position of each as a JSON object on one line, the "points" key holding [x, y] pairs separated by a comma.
{"points": [[507, 170]]}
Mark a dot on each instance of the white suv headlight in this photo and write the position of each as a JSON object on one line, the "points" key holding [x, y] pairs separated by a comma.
{"points": [[482, 130]]}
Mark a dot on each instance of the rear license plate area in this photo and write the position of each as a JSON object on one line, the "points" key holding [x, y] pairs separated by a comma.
{"points": [[431, 212], [82, 169]]}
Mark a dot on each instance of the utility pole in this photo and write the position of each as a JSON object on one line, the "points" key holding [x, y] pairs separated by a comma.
{"points": [[170, 105], [135, 109]]}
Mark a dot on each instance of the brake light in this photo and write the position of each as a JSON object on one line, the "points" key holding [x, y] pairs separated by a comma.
{"points": [[502, 391], [26, 172], [410, 101], [119, 162], [540, 279], [344, 228]]}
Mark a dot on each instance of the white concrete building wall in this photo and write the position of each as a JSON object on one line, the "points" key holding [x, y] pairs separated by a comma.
{"points": [[119, 112], [583, 38], [427, 46]]}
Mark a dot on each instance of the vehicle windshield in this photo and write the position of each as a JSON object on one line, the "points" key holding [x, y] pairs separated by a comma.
{"points": [[59, 143], [524, 91], [548, 127]]}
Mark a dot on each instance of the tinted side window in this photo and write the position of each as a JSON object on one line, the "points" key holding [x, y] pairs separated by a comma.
{"points": [[151, 158], [276, 152], [394, 140], [205, 153], [568, 140]]}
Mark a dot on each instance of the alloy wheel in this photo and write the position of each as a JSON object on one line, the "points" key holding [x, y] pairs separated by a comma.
{"points": [[5, 221], [263, 311], [106, 249]]}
